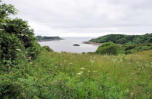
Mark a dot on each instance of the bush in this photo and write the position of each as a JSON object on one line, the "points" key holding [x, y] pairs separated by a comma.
{"points": [[11, 48], [47, 48], [108, 48], [17, 40], [132, 48], [33, 51], [25, 34], [9, 90]]}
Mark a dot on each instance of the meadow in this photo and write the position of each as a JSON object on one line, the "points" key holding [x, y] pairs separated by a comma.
{"points": [[80, 76]]}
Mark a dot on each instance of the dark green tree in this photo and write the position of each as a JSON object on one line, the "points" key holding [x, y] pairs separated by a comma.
{"points": [[25, 34], [16, 37], [108, 48]]}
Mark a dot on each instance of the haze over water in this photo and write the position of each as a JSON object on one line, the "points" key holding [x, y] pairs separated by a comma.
{"points": [[66, 45]]}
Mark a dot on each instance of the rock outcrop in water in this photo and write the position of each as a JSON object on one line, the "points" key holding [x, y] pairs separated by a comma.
{"points": [[76, 45]]}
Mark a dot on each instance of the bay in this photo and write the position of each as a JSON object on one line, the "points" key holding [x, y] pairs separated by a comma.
{"points": [[66, 45]]}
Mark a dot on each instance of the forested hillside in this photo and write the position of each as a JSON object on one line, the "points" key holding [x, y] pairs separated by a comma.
{"points": [[48, 38], [124, 39], [123, 44]]}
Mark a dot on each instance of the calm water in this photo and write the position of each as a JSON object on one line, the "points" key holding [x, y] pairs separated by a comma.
{"points": [[66, 45]]}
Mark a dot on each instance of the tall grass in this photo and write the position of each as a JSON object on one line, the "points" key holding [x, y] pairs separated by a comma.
{"points": [[81, 76]]}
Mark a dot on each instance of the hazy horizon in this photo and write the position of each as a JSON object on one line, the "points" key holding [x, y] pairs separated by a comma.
{"points": [[93, 36]]}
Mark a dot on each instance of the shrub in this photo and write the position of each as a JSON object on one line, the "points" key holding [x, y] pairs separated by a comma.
{"points": [[11, 48], [129, 47], [33, 51], [47, 48], [108, 48], [17, 40], [9, 90], [132, 48], [25, 34]]}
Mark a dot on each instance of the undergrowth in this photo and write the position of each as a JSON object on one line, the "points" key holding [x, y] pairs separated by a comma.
{"points": [[80, 76]]}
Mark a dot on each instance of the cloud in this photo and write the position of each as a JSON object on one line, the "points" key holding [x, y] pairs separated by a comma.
{"points": [[85, 17]]}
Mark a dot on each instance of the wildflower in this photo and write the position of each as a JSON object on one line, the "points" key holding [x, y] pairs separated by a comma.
{"points": [[82, 68], [70, 63], [18, 49], [80, 73], [92, 61], [30, 62]]}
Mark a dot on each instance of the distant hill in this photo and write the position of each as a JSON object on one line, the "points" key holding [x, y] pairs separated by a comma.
{"points": [[127, 44], [48, 38], [124, 39]]}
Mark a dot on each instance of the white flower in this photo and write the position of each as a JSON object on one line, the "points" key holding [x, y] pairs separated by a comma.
{"points": [[92, 61], [80, 73], [70, 63], [82, 68], [18, 49]]}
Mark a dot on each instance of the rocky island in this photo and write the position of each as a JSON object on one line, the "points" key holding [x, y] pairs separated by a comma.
{"points": [[76, 45]]}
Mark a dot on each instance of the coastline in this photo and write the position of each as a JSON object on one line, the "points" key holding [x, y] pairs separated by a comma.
{"points": [[90, 42], [49, 40]]}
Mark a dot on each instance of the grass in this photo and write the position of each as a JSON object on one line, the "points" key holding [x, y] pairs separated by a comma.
{"points": [[81, 76]]}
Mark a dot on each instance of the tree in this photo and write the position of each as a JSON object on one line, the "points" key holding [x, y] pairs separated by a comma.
{"points": [[23, 32], [6, 10], [11, 48], [108, 48], [16, 37]]}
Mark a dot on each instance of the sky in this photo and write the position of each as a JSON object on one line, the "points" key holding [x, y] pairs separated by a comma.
{"points": [[85, 18]]}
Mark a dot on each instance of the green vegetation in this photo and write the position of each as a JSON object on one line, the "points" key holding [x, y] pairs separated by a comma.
{"points": [[108, 48], [48, 38], [126, 44], [47, 48], [133, 48], [111, 48], [28, 71], [124, 39], [17, 39], [80, 76]]}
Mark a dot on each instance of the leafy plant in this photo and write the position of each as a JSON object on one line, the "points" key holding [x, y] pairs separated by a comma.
{"points": [[108, 48]]}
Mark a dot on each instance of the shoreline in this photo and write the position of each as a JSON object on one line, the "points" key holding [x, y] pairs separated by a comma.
{"points": [[93, 43], [49, 40]]}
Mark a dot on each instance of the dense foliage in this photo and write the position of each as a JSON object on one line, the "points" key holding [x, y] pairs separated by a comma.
{"points": [[126, 43], [108, 48], [80, 76], [48, 38], [133, 48], [124, 39], [47, 48], [10, 47], [16, 37]]}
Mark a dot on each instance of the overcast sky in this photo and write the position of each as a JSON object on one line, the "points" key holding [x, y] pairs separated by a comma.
{"points": [[86, 17]]}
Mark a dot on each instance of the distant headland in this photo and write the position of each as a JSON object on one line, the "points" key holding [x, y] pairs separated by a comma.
{"points": [[48, 38]]}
